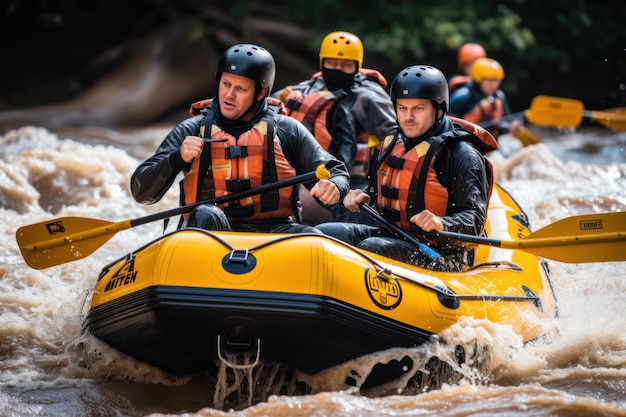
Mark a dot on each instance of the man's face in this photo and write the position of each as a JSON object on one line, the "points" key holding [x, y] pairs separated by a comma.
{"points": [[415, 115], [489, 86], [236, 95]]}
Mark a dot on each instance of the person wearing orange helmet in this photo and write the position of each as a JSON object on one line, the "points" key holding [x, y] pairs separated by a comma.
{"points": [[481, 101], [346, 108], [468, 53]]}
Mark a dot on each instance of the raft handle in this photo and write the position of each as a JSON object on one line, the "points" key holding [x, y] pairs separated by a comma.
{"points": [[238, 256], [233, 365], [239, 261]]}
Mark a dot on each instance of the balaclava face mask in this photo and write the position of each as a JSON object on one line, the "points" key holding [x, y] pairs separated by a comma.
{"points": [[336, 79]]}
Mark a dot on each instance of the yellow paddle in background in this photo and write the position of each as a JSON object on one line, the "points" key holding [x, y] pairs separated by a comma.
{"points": [[556, 112], [568, 113], [525, 135], [67, 239], [577, 239], [614, 119], [521, 132]]}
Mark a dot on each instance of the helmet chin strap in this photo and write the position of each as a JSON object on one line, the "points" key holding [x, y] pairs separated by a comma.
{"points": [[440, 118], [252, 109]]}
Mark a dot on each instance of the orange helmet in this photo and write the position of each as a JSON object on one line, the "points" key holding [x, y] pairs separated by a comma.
{"points": [[342, 45], [486, 68], [470, 52]]}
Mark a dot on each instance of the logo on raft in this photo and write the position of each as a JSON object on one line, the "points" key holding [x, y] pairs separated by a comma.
{"points": [[591, 224], [385, 292], [124, 276]]}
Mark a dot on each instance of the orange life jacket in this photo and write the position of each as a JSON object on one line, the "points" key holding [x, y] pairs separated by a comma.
{"points": [[458, 81], [312, 112], [196, 107], [487, 109], [407, 181], [229, 165]]}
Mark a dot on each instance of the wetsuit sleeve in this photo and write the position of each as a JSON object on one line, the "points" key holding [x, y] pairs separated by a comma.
{"points": [[462, 170], [303, 87], [305, 154], [342, 127], [461, 102], [153, 177], [373, 110], [506, 110]]}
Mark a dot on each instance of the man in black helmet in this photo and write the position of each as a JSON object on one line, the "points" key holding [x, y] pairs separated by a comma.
{"points": [[430, 175], [236, 141]]}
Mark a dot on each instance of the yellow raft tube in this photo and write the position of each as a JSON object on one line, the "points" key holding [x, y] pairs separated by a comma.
{"points": [[192, 297]]}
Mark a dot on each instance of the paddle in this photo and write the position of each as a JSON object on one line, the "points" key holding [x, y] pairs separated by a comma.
{"points": [[614, 118], [568, 113], [577, 239], [67, 239], [398, 231], [560, 113], [491, 123], [525, 135], [521, 132]]}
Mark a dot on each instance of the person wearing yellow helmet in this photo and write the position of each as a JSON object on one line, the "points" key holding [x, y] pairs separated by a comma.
{"points": [[482, 101], [487, 69], [341, 57], [346, 108], [467, 54]]}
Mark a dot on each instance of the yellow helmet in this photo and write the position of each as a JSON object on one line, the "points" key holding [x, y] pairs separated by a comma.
{"points": [[486, 69], [342, 45]]}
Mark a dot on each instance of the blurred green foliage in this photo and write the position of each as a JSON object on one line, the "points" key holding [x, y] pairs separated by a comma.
{"points": [[538, 42]]}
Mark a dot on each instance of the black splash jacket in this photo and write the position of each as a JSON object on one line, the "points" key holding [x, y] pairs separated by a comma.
{"points": [[153, 177]]}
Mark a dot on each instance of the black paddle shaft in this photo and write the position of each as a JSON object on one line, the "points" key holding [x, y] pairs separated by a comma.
{"points": [[424, 248], [298, 179]]}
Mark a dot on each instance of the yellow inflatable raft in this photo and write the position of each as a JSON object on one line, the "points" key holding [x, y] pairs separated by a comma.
{"points": [[194, 297]]}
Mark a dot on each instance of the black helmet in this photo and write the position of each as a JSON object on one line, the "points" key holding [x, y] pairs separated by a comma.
{"points": [[250, 61], [421, 81]]}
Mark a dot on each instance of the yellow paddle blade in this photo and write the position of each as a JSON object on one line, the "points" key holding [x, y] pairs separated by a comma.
{"points": [[614, 119], [525, 136], [555, 112], [579, 239], [67, 239], [62, 240], [568, 113]]}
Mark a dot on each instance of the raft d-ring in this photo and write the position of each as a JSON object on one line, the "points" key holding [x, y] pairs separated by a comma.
{"points": [[234, 365], [239, 261]]}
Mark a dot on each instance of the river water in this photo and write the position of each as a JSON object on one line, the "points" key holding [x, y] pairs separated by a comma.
{"points": [[48, 367]]}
